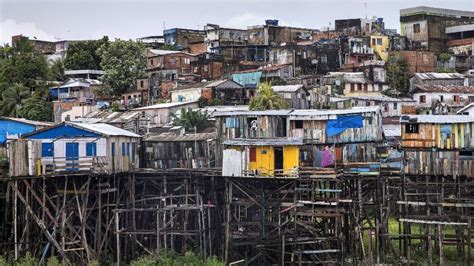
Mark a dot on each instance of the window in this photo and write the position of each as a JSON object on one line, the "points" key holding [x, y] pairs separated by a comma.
{"points": [[133, 152], [352, 87], [91, 149], [151, 62], [422, 98], [411, 128], [324, 59], [113, 148], [416, 28], [47, 150], [141, 84], [380, 87], [379, 41], [456, 98], [367, 103], [253, 154], [359, 87], [441, 98], [187, 61], [366, 87], [298, 123], [395, 106], [128, 149], [123, 148]]}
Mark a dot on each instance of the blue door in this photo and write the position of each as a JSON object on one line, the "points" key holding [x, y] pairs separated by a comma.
{"points": [[72, 156]]}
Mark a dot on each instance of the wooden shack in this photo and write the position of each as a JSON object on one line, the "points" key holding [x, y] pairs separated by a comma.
{"points": [[327, 137], [261, 157], [438, 144], [164, 151], [70, 148]]}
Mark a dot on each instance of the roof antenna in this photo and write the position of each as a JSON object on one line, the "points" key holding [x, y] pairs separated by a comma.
{"points": [[164, 25], [365, 4]]}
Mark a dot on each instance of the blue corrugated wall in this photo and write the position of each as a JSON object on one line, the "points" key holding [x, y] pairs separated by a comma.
{"points": [[13, 127]]}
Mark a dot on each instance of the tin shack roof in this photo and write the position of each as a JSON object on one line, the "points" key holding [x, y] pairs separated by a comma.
{"points": [[29, 122], [181, 138], [106, 129], [287, 88], [436, 75], [253, 113], [437, 119], [264, 142], [163, 106], [314, 114]]}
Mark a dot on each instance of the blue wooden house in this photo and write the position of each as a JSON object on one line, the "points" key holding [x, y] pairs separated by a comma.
{"points": [[75, 148], [13, 127]]}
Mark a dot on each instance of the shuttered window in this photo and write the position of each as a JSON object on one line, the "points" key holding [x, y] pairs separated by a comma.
{"points": [[47, 150], [91, 149], [253, 154]]}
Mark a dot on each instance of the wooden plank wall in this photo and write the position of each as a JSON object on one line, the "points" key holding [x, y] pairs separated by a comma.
{"points": [[430, 135], [182, 154], [18, 157], [447, 163]]}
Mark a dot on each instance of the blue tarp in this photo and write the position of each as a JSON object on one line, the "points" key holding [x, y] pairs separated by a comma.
{"points": [[341, 123]]}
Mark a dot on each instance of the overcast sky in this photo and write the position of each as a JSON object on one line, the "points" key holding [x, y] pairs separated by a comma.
{"points": [[125, 19]]}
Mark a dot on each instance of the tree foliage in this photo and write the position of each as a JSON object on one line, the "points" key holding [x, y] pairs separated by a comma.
{"points": [[12, 98], [56, 70], [267, 99], [123, 63], [397, 74], [20, 65], [36, 109], [84, 54], [190, 119]]}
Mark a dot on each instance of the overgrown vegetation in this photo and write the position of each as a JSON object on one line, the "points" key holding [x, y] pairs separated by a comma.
{"points": [[191, 120], [174, 259], [267, 99], [397, 75]]}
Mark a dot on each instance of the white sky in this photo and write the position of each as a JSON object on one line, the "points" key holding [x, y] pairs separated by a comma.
{"points": [[125, 19]]}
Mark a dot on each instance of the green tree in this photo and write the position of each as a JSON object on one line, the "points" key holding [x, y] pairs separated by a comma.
{"points": [[84, 54], [191, 119], [397, 74], [12, 98], [203, 102], [36, 109], [25, 68], [267, 99], [56, 70], [123, 63]]}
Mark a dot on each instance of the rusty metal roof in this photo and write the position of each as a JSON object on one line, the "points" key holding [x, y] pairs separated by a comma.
{"points": [[444, 88]]}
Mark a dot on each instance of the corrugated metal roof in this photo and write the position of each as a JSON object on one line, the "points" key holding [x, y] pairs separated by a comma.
{"points": [[26, 121], [105, 129], [253, 113], [264, 142], [444, 88], [325, 114], [163, 106], [436, 75], [437, 119], [181, 138], [287, 88], [381, 98], [301, 112], [471, 105], [350, 77], [159, 52], [392, 131]]}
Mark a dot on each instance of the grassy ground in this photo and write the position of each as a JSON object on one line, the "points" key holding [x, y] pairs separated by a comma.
{"points": [[418, 253]]}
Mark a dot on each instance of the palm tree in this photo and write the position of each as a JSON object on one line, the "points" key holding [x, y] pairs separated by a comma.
{"points": [[267, 99], [57, 69], [12, 97]]}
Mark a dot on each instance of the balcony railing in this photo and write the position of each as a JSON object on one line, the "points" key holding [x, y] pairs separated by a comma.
{"points": [[61, 165]]}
